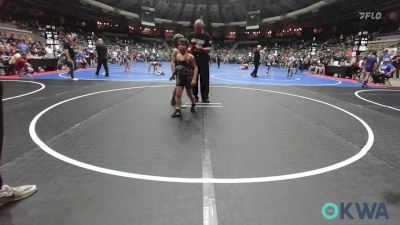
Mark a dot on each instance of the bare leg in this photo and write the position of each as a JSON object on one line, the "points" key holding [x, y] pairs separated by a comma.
{"points": [[173, 102], [189, 92], [366, 79], [178, 96], [178, 99]]}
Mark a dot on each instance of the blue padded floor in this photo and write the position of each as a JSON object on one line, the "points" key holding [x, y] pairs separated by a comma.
{"points": [[226, 74]]}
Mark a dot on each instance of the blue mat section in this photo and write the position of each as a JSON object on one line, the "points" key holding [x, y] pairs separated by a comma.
{"points": [[226, 74]]}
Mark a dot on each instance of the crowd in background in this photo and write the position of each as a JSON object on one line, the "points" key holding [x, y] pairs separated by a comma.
{"points": [[336, 50]]}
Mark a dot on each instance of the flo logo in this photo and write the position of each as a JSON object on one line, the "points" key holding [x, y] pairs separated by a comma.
{"points": [[370, 15], [355, 210]]}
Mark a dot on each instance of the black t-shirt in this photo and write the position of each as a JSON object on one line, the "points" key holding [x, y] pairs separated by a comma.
{"points": [[257, 57], [101, 51], [202, 40], [67, 46]]}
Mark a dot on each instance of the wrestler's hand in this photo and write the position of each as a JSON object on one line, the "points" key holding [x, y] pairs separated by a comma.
{"points": [[193, 83], [171, 78]]}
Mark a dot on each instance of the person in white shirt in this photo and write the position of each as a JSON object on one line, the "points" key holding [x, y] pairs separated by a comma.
{"points": [[49, 52]]}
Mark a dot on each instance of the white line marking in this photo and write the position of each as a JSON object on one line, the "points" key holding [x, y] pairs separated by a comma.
{"points": [[357, 93], [204, 106], [279, 84], [203, 103], [62, 76], [271, 78], [209, 203], [24, 81], [108, 78], [359, 155]]}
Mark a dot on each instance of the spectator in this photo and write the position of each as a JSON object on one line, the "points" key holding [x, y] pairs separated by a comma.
{"points": [[22, 67], [386, 71], [14, 58], [22, 47]]}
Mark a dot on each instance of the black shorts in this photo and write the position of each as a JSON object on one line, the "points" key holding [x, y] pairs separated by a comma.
{"points": [[184, 81]]}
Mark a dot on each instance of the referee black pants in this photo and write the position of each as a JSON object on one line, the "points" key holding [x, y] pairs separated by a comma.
{"points": [[104, 63], [256, 65], [204, 74]]}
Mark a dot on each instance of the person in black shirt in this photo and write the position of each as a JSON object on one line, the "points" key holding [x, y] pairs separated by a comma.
{"points": [[101, 51], [201, 48], [219, 60], [70, 54], [256, 61]]}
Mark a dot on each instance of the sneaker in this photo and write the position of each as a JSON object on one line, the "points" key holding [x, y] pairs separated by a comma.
{"points": [[206, 101], [197, 98], [10, 194], [177, 113], [75, 78], [192, 109], [107, 75]]}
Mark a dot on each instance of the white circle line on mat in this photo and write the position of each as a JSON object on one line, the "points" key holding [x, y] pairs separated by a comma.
{"points": [[47, 149], [282, 84], [262, 78], [357, 93], [127, 76], [42, 86]]}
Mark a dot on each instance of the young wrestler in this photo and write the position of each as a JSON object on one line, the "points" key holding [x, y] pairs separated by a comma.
{"points": [[186, 76], [173, 59], [158, 70]]}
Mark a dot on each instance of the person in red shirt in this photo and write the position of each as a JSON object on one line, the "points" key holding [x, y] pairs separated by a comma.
{"points": [[22, 67]]}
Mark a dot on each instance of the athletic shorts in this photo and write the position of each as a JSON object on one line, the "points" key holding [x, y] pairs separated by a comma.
{"points": [[184, 77]]}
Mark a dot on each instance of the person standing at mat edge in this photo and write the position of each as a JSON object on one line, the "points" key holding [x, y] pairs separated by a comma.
{"points": [[257, 57], [101, 52], [201, 47], [371, 64], [70, 54], [7, 193], [186, 76]]}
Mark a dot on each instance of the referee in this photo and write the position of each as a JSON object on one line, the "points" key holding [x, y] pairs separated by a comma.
{"points": [[201, 47], [101, 52]]}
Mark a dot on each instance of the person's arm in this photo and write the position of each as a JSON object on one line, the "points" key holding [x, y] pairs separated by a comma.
{"points": [[380, 70], [207, 48], [173, 68], [195, 70], [203, 49]]}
